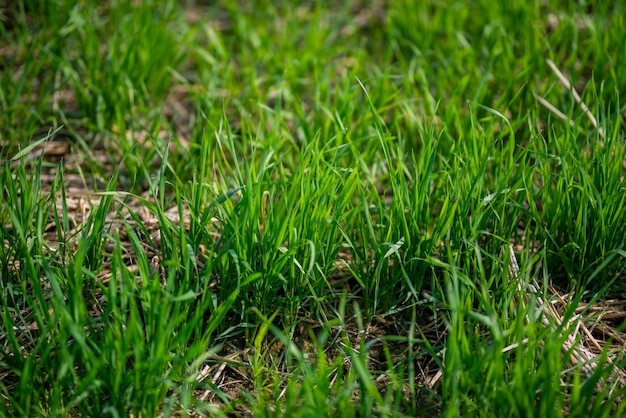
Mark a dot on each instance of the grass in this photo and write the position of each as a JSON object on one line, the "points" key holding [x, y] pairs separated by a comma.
{"points": [[307, 208]]}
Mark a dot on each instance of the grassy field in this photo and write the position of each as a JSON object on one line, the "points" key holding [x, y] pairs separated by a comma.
{"points": [[280, 208]]}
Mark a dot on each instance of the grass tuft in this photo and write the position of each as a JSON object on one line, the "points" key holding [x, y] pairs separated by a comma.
{"points": [[286, 208]]}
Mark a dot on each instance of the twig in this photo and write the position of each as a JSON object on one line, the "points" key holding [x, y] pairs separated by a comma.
{"points": [[554, 110], [582, 104]]}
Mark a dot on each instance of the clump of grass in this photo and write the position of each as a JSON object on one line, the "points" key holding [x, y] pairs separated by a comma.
{"points": [[240, 221], [91, 334]]}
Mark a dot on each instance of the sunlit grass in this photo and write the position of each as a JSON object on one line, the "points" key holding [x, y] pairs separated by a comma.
{"points": [[297, 209]]}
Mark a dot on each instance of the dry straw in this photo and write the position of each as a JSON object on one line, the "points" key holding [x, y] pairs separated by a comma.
{"points": [[581, 347]]}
